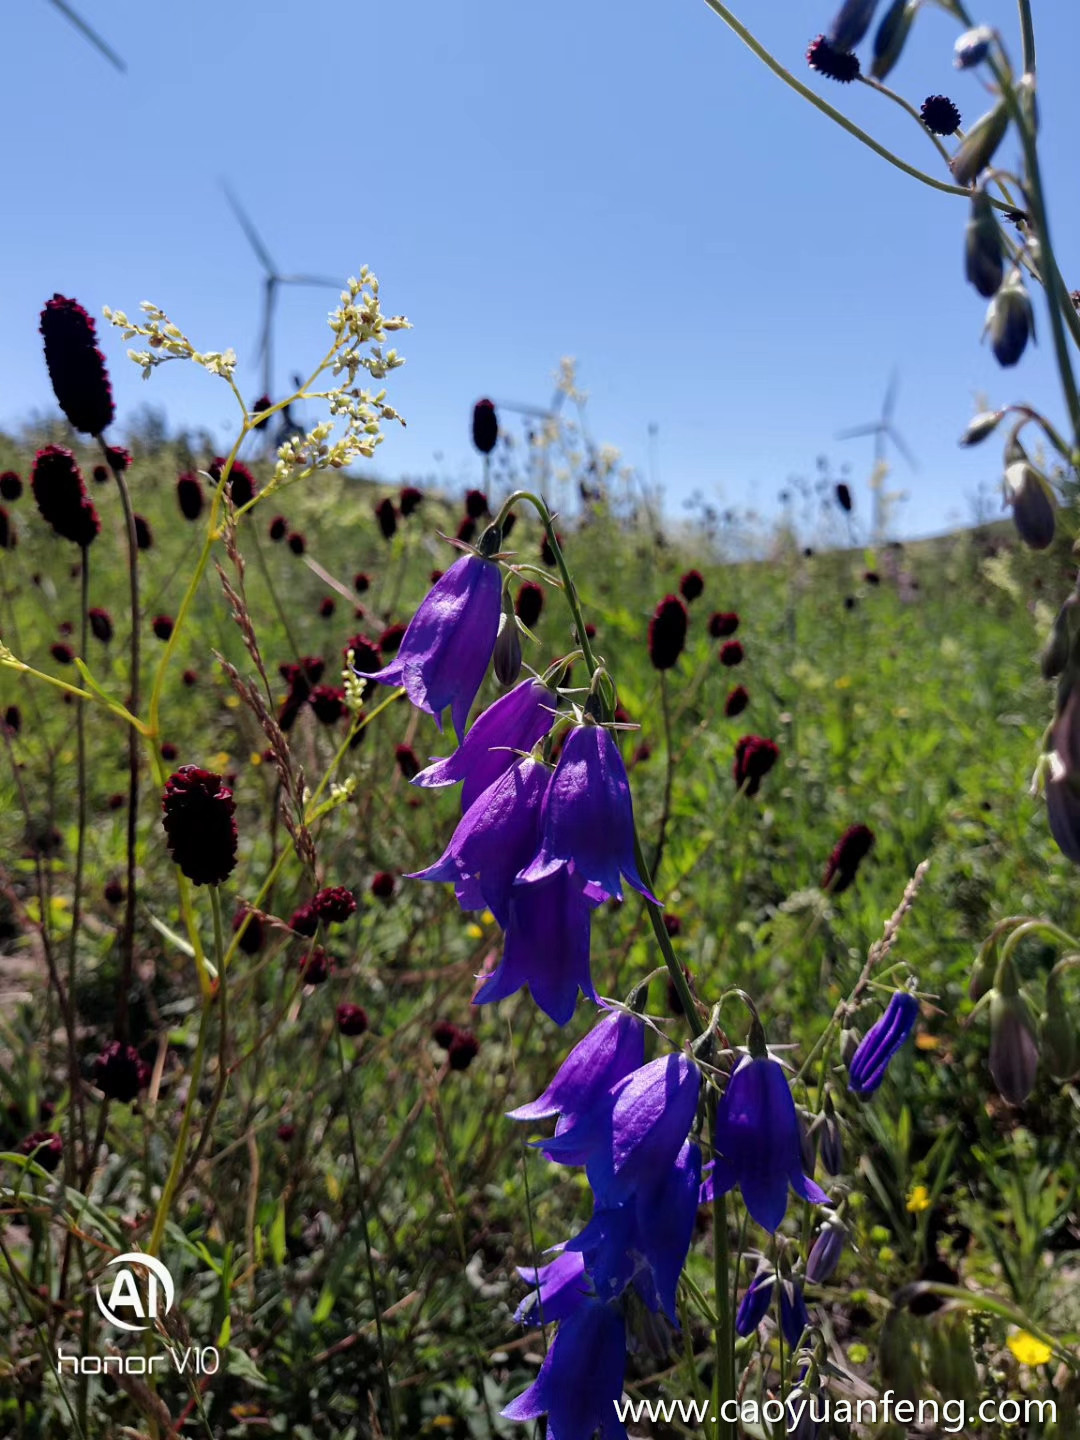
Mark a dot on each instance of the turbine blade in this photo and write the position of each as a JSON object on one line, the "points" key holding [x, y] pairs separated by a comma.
{"points": [[894, 436], [872, 429], [890, 397], [254, 239], [90, 34], [323, 281]]}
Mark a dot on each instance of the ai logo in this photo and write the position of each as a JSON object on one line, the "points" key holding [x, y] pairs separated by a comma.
{"points": [[127, 1292]]}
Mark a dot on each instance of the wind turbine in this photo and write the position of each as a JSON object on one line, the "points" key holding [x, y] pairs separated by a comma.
{"points": [[883, 429], [272, 278], [91, 34]]}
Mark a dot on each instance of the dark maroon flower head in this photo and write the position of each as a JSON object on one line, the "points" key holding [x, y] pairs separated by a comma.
{"points": [[334, 904], [849, 602], [361, 582], [10, 485], [197, 813], [304, 920], [61, 495], [297, 543], [119, 1072], [13, 720], [754, 758], [667, 632], [278, 528], [737, 701], [101, 474], [49, 1147], [463, 1050], [872, 577], [509, 521], [410, 499], [435, 576], [827, 60], [485, 426], [62, 654], [242, 484], [366, 657], [327, 606], [530, 603], [466, 531], [315, 966], [940, 115], [117, 801], [843, 497], [672, 923], [731, 653], [407, 762], [444, 1033], [547, 554], [144, 536], [391, 638], [328, 702], [254, 936], [190, 677], [163, 626], [189, 495], [169, 751], [723, 623], [692, 585], [382, 885], [386, 516], [851, 850], [301, 676], [476, 504], [77, 370], [351, 1019], [262, 403], [113, 892], [119, 458], [9, 536], [285, 1132]]}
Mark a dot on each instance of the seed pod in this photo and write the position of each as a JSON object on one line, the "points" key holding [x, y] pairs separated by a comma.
{"points": [[980, 426], [1010, 320], [891, 36], [1057, 1033], [979, 144], [1032, 504], [983, 248], [506, 657]]}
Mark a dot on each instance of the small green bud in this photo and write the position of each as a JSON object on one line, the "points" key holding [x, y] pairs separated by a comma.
{"points": [[984, 969], [979, 144], [983, 248], [891, 35], [981, 425]]}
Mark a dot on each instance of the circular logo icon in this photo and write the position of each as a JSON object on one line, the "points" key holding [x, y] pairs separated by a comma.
{"points": [[143, 1300]]}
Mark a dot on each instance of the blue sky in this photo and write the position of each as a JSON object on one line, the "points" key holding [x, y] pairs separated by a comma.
{"points": [[624, 183]]}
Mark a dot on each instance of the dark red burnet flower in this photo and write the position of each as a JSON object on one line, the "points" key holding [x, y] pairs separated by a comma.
{"points": [[462, 1050], [843, 497], [304, 920], [163, 626], [672, 924], [476, 504], [351, 1019], [327, 606], [509, 521], [253, 937], [410, 500], [391, 638], [101, 474], [436, 576], [117, 801], [66, 627], [466, 531], [189, 495], [12, 720], [300, 677], [10, 485], [60, 492], [169, 751], [386, 516], [737, 701], [444, 1033], [485, 426], [383, 885], [366, 657], [850, 851], [296, 542], [667, 632], [262, 403], [361, 582], [113, 893], [834, 64], [49, 1148], [754, 758], [119, 459], [334, 904], [547, 554], [723, 623], [871, 577], [530, 603], [285, 1132], [731, 653], [63, 654], [198, 816], [77, 370], [407, 762], [940, 115], [144, 536], [190, 677], [9, 536], [328, 702], [278, 528], [692, 585], [120, 1073], [315, 966], [242, 483]]}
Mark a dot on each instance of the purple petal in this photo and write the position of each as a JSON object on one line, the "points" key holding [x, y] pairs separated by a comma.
{"points": [[611, 1050], [651, 1117], [581, 1377], [557, 1290]]}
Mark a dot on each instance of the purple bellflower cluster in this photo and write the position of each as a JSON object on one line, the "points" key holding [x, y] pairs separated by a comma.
{"points": [[881, 1042], [628, 1123]]}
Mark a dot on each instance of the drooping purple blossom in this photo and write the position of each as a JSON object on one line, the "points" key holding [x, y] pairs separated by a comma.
{"points": [[881, 1042], [581, 1377], [826, 1251], [447, 646], [612, 1049], [558, 1289], [757, 1137], [515, 722], [754, 1305], [588, 819]]}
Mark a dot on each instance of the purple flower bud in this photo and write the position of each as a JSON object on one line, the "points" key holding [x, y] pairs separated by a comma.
{"points": [[1010, 320], [851, 23], [754, 1305], [794, 1318], [984, 249], [826, 1251], [1014, 1050], [1032, 504], [979, 144], [506, 657], [881, 1042], [972, 47], [891, 36]]}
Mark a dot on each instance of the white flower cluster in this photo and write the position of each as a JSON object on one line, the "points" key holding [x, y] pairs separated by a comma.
{"points": [[167, 342]]}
